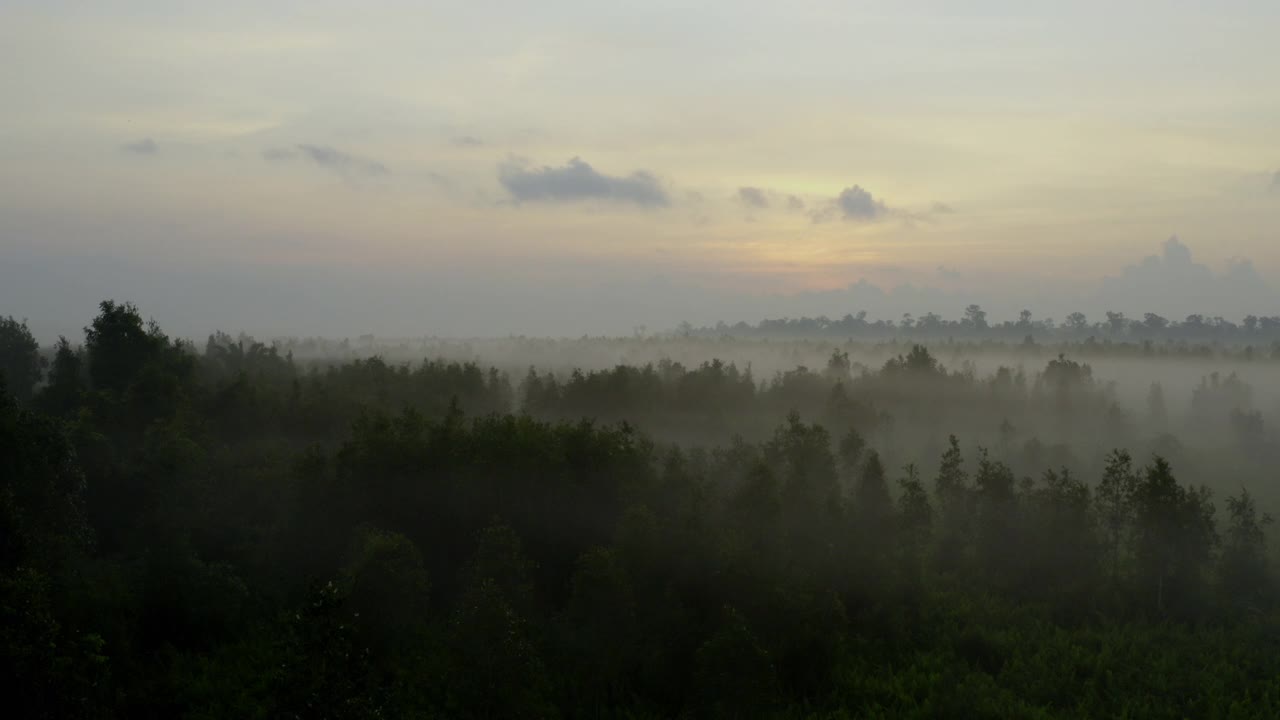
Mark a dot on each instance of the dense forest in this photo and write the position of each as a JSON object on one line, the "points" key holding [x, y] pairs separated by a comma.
{"points": [[905, 529]]}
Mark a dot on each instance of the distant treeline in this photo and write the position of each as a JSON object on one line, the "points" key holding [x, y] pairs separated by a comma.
{"points": [[974, 324]]}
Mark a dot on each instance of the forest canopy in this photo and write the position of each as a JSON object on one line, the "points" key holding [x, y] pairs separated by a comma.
{"points": [[227, 530]]}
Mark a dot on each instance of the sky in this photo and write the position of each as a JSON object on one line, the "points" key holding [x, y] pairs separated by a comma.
{"points": [[568, 167]]}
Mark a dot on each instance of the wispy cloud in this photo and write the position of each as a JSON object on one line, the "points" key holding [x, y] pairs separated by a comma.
{"points": [[329, 158], [762, 198], [949, 274], [145, 146]]}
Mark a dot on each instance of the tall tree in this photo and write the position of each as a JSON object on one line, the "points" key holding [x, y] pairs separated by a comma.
{"points": [[873, 519], [119, 345], [1243, 572], [872, 503], [955, 507], [66, 384], [916, 519], [975, 317], [997, 531], [51, 667], [1175, 537], [734, 671], [1115, 506], [20, 361]]}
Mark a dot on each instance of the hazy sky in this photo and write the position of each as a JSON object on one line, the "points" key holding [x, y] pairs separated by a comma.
{"points": [[564, 167]]}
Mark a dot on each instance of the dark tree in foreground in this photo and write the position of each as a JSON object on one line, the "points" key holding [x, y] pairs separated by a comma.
{"points": [[1246, 578], [20, 361]]}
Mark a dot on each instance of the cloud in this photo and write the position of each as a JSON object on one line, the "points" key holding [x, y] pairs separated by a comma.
{"points": [[145, 146], [858, 204], [949, 274], [345, 164], [1173, 283], [853, 204], [753, 197], [1177, 254], [579, 181], [467, 141], [758, 198], [1275, 181], [1242, 274]]}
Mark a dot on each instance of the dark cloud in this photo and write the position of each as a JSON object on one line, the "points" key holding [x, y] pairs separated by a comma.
{"points": [[579, 181], [467, 141], [853, 204], [795, 204], [1275, 181], [858, 204], [753, 197], [145, 146], [330, 158]]}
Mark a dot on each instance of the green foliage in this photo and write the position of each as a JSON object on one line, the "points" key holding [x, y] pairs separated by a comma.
{"points": [[1175, 538], [51, 670], [65, 390], [42, 520], [955, 504], [386, 590], [496, 671], [735, 674], [599, 632], [1245, 575], [236, 534], [120, 346], [325, 673], [918, 363], [20, 363]]}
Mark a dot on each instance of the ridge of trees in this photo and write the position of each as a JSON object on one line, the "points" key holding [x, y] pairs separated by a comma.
{"points": [[974, 324]]}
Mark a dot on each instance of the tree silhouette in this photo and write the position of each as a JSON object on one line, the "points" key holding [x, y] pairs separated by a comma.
{"points": [[20, 361]]}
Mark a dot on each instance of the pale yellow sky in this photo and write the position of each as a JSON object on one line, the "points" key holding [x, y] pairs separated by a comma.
{"points": [[1031, 149]]}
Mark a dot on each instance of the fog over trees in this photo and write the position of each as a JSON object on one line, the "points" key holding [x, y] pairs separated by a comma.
{"points": [[783, 519], [593, 297], [731, 360]]}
